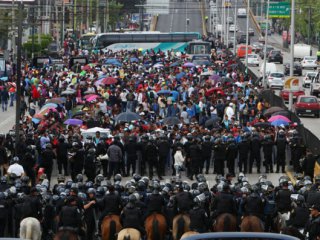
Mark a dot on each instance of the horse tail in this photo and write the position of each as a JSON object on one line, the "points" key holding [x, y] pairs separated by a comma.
{"points": [[226, 223], [127, 237], [180, 229], [155, 229], [113, 230], [28, 229]]}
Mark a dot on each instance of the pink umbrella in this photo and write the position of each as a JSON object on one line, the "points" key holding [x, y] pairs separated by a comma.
{"points": [[279, 117], [92, 98], [90, 95], [109, 80]]}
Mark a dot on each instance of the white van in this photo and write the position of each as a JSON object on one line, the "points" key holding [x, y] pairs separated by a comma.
{"points": [[242, 13], [270, 67]]}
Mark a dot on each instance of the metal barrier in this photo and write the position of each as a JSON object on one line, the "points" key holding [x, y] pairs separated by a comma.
{"points": [[240, 235]]}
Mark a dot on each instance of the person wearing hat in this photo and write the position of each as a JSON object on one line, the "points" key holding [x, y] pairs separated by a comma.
{"points": [[199, 220], [313, 226]]}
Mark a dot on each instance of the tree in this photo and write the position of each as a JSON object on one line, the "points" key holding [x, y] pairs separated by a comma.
{"points": [[39, 48], [115, 10]]}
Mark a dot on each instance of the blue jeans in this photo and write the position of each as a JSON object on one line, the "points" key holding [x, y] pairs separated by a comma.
{"points": [[4, 105], [11, 99], [69, 113], [130, 105]]}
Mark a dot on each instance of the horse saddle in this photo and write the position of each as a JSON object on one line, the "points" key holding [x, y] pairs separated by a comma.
{"points": [[71, 229]]}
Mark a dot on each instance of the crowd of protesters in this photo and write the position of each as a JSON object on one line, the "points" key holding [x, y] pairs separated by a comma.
{"points": [[155, 114]]}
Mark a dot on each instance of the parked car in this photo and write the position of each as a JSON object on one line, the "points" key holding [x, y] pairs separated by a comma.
{"points": [[253, 59], [251, 32], [269, 49], [309, 62], [308, 79], [233, 28], [275, 56], [315, 85], [307, 105], [275, 80], [242, 13], [243, 39], [297, 69], [257, 46], [230, 20], [284, 94]]}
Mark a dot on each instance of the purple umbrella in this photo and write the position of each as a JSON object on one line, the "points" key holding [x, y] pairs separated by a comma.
{"points": [[188, 64], [74, 122], [215, 77]]}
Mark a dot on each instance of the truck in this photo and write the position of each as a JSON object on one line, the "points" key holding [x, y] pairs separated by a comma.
{"points": [[301, 50]]}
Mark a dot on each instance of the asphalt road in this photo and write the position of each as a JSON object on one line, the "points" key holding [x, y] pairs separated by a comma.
{"points": [[176, 20]]}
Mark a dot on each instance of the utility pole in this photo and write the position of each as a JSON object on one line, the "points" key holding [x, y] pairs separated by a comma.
{"points": [[265, 47], [292, 48], [88, 15], [309, 25], [98, 16], [62, 23], [235, 23], [106, 17], [13, 41], [247, 35], [141, 15], [18, 82], [32, 29]]}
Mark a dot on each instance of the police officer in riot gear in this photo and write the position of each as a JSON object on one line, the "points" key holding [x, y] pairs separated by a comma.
{"points": [[281, 144], [199, 220]]}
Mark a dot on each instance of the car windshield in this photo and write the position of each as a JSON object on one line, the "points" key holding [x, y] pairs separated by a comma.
{"points": [[308, 100], [277, 75], [252, 56], [310, 58], [311, 74]]}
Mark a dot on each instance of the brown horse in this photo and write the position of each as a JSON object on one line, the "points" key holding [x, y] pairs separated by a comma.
{"points": [[251, 224], [110, 227], [66, 234], [225, 222], [156, 227], [129, 234], [181, 224], [188, 234]]}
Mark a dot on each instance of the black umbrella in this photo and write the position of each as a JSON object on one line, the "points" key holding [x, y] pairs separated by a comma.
{"points": [[171, 121], [262, 124], [212, 122], [77, 114], [127, 117], [273, 110], [284, 113]]}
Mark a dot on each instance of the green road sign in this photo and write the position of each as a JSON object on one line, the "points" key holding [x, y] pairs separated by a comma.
{"points": [[279, 10]]}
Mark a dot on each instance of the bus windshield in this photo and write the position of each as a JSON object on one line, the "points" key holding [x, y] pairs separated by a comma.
{"points": [[85, 41]]}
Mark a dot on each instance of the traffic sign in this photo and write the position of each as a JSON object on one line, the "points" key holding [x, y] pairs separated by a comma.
{"points": [[279, 10]]}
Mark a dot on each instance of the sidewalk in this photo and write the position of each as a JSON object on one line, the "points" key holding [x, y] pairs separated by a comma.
{"points": [[276, 40]]}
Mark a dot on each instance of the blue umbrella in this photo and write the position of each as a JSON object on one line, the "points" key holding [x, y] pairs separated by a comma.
{"points": [[164, 92], [134, 59], [4, 79], [53, 105], [35, 120], [175, 64], [113, 61], [175, 95], [180, 75], [279, 122]]}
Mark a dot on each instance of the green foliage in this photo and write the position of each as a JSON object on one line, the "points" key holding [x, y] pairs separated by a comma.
{"points": [[39, 48], [115, 10]]}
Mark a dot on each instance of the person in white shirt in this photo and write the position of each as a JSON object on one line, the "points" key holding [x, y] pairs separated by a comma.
{"points": [[16, 168], [229, 111], [178, 161]]}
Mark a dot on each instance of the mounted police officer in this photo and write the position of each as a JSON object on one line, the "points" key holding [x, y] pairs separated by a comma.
{"points": [[300, 214], [155, 202], [282, 197], [199, 220]]}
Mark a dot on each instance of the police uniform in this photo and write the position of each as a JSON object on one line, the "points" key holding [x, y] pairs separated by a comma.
{"points": [[283, 200], [131, 217], [198, 220], [299, 217]]}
